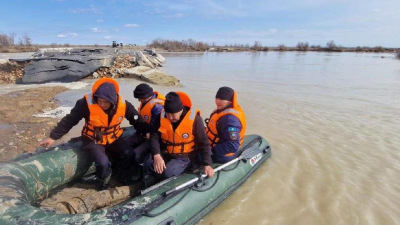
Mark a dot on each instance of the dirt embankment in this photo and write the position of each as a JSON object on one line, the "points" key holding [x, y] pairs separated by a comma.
{"points": [[116, 70], [17, 49], [20, 131], [10, 72]]}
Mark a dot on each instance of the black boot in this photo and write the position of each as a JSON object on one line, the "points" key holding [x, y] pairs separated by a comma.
{"points": [[148, 180], [131, 176], [104, 184], [137, 173]]}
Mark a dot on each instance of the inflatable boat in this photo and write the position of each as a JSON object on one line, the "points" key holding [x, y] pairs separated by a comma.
{"points": [[29, 178]]}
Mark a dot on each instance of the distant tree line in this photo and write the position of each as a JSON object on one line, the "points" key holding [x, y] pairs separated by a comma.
{"points": [[184, 45], [9, 40], [192, 45], [8, 43]]}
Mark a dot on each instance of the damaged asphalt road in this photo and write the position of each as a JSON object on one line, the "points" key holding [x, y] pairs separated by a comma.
{"points": [[68, 66]]}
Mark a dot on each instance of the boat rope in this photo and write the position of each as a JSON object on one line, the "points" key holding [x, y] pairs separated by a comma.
{"points": [[203, 190], [83, 201], [70, 208], [227, 170], [258, 139], [37, 182], [149, 214]]}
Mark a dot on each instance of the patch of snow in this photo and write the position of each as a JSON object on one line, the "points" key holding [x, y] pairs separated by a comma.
{"points": [[72, 86], [59, 112]]}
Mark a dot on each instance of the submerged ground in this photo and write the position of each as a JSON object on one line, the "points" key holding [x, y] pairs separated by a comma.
{"points": [[21, 130]]}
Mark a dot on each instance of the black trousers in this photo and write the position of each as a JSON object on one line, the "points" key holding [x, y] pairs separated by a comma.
{"points": [[175, 166], [119, 152], [140, 152]]}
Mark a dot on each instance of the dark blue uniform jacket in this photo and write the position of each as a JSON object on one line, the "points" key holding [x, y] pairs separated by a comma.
{"points": [[228, 128]]}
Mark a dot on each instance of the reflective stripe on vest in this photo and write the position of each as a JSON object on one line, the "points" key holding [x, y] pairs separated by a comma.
{"points": [[211, 128], [180, 140], [146, 111]]}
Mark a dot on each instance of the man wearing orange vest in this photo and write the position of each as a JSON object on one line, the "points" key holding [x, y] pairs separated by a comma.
{"points": [[226, 126], [176, 138], [103, 110], [151, 105], [151, 102]]}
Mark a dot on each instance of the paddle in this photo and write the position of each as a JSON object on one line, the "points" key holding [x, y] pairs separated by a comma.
{"points": [[158, 185], [248, 153]]}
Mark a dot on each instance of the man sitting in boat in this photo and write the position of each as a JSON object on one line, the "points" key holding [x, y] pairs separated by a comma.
{"points": [[180, 133], [104, 110], [151, 105], [226, 126]]}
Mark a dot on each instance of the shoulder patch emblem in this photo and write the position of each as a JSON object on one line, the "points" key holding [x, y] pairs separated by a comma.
{"points": [[185, 135], [146, 117], [233, 135]]}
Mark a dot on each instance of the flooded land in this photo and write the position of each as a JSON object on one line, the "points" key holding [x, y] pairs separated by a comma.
{"points": [[332, 120]]}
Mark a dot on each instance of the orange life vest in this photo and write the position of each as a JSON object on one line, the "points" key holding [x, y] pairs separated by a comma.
{"points": [[98, 119], [180, 140], [145, 112], [211, 128]]}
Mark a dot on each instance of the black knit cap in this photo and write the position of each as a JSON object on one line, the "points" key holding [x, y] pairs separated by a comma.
{"points": [[142, 91], [225, 93], [173, 103]]}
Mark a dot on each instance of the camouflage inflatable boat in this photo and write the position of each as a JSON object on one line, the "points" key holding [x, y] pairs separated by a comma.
{"points": [[29, 178]]}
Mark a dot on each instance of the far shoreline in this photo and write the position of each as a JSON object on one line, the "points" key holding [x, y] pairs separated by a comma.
{"points": [[9, 45], [183, 48]]}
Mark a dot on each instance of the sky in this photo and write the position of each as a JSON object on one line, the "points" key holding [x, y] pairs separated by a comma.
{"points": [[348, 23]]}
